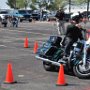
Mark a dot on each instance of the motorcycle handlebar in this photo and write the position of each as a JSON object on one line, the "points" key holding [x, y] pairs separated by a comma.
{"points": [[85, 30]]}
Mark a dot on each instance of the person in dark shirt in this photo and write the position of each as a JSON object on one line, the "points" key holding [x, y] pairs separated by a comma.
{"points": [[73, 33], [60, 16], [15, 21], [80, 16]]}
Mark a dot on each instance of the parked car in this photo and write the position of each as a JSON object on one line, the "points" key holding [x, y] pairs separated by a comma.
{"points": [[67, 17], [15, 13], [74, 14], [84, 14], [35, 16], [3, 14], [26, 15], [51, 17]]}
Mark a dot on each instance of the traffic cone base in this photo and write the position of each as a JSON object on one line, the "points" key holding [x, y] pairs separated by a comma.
{"points": [[65, 84], [5, 82]]}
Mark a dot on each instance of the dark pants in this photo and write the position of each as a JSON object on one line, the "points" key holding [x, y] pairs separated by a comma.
{"points": [[68, 44], [15, 23]]}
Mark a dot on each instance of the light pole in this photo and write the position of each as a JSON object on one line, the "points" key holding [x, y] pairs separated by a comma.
{"points": [[87, 7], [69, 6], [15, 5], [40, 7], [25, 4]]}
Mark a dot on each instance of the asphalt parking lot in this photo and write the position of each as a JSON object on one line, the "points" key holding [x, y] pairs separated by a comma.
{"points": [[27, 71]]}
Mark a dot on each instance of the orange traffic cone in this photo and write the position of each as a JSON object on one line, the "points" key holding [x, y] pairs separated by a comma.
{"points": [[61, 79], [35, 47], [26, 42], [9, 75]]}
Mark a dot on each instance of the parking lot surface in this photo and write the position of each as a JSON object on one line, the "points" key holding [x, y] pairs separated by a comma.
{"points": [[27, 70]]}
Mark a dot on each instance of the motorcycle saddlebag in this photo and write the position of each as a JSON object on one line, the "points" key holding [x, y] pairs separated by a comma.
{"points": [[47, 50], [55, 40], [57, 55]]}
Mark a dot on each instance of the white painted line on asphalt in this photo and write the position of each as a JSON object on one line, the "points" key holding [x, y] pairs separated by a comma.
{"points": [[3, 46], [20, 75], [29, 32], [7, 41]]}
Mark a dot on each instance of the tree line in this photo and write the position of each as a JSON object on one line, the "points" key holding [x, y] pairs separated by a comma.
{"points": [[49, 5]]}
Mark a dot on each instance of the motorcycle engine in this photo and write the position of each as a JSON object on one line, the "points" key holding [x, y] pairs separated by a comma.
{"points": [[78, 49]]}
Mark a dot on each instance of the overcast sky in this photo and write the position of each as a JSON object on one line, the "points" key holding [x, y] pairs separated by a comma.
{"points": [[3, 4]]}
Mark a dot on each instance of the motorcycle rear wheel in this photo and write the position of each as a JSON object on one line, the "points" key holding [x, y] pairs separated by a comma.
{"points": [[82, 71]]}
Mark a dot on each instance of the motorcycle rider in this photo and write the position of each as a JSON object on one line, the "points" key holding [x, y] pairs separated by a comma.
{"points": [[73, 33]]}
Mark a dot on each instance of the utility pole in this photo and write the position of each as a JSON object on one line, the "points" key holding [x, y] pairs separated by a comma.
{"points": [[15, 5], [69, 6], [87, 7], [26, 4]]}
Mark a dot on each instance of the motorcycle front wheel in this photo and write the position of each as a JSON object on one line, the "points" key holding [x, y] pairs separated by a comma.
{"points": [[82, 71], [48, 66]]}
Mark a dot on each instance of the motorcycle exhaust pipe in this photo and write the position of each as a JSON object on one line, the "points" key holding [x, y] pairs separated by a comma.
{"points": [[47, 60]]}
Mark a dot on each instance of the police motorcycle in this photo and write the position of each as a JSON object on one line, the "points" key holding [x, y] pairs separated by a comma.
{"points": [[51, 53]]}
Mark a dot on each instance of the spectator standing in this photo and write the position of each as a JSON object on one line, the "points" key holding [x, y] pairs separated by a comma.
{"points": [[4, 21], [14, 21], [60, 16]]}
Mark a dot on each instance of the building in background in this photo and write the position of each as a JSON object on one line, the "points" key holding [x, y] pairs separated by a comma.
{"points": [[76, 8]]}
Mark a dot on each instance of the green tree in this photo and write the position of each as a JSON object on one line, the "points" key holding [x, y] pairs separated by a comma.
{"points": [[33, 1], [84, 1], [56, 4], [11, 3], [80, 1], [59, 3], [23, 3], [33, 7], [18, 3]]}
